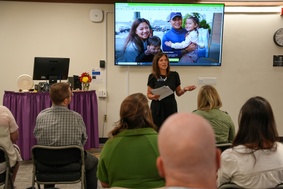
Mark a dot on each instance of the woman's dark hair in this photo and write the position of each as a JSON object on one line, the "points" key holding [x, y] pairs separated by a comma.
{"points": [[134, 113], [257, 127], [133, 37], [155, 68]]}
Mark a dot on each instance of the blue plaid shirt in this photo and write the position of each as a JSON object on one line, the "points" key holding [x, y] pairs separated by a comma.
{"points": [[59, 126]]}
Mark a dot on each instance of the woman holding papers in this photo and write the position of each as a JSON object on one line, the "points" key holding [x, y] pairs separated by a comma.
{"points": [[161, 85]]}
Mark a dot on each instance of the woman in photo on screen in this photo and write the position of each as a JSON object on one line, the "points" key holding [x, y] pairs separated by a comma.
{"points": [[162, 76], [136, 42]]}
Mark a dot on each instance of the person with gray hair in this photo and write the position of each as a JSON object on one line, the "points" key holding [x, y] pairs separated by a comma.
{"points": [[188, 156]]}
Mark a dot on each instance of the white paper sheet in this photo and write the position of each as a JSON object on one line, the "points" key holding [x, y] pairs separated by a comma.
{"points": [[163, 91]]}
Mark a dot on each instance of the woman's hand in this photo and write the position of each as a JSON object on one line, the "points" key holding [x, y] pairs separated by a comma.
{"points": [[155, 97], [189, 88], [150, 95]]}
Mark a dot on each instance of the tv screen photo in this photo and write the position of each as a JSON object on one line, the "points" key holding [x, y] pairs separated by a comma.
{"points": [[190, 34]]}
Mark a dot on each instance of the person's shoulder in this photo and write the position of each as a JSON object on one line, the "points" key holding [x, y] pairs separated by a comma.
{"points": [[131, 46], [194, 32], [74, 113], [169, 33], [151, 77], [179, 31], [199, 112], [225, 114], [279, 145], [4, 108], [175, 73], [229, 155], [44, 111]]}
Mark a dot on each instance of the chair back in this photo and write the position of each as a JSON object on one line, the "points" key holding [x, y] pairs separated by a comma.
{"points": [[58, 165], [223, 146], [5, 177], [229, 185]]}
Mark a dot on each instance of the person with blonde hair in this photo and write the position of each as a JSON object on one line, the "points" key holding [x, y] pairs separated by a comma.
{"points": [[209, 104], [128, 158], [188, 156]]}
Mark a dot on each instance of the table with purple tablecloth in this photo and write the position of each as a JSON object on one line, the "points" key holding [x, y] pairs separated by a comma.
{"points": [[26, 106]]}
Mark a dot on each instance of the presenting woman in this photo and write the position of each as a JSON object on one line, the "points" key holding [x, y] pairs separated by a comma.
{"points": [[162, 76]]}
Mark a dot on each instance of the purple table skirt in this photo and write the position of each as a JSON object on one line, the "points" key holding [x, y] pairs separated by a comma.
{"points": [[26, 106]]}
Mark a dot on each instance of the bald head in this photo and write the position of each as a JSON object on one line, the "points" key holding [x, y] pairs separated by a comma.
{"points": [[187, 151]]}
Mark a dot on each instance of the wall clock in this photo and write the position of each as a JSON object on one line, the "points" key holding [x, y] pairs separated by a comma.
{"points": [[278, 37]]}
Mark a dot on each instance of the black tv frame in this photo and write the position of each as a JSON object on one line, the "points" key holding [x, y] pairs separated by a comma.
{"points": [[127, 12]]}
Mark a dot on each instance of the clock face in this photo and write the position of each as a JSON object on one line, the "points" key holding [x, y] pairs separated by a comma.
{"points": [[278, 37]]}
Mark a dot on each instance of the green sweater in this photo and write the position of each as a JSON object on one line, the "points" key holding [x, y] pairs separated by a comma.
{"points": [[129, 160], [221, 123]]}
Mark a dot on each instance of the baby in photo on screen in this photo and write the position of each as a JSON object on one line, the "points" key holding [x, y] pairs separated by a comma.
{"points": [[153, 47], [192, 24]]}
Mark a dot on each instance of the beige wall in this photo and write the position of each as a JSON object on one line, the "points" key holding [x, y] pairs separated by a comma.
{"points": [[53, 29]]}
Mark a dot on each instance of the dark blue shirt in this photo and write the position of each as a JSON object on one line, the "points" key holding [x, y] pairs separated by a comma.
{"points": [[175, 36]]}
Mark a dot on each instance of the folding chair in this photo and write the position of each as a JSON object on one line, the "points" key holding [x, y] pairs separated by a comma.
{"points": [[6, 177], [223, 146], [229, 185], [58, 165]]}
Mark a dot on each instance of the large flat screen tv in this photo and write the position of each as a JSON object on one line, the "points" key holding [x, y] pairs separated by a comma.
{"points": [[141, 29], [51, 69]]}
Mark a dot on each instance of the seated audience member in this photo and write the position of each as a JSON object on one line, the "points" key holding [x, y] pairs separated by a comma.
{"points": [[128, 158], [59, 126], [188, 157], [9, 134], [209, 104], [256, 159]]}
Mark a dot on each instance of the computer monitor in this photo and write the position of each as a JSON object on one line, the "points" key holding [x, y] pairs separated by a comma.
{"points": [[51, 69]]}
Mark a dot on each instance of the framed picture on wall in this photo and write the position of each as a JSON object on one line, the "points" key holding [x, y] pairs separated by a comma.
{"points": [[277, 60]]}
